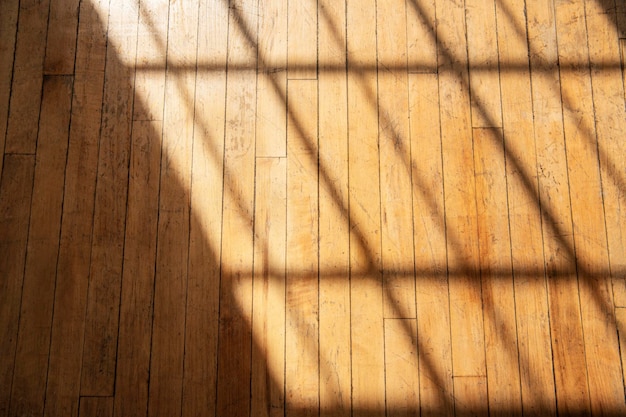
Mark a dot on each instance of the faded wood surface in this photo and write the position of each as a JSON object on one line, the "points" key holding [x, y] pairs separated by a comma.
{"points": [[334, 208]]}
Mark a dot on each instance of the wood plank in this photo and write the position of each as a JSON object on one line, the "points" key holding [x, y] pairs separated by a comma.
{"points": [[151, 59], [401, 368], [368, 377], [8, 33], [234, 349], [96, 407], [170, 288], [105, 274], [421, 36], [482, 51], [608, 103], [61, 41], [334, 235], [268, 320], [622, 46], [26, 87], [62, 388], [470, 392], [395, 166], [598, 319], [565, 326], [466, 318], [15, 199], [620, 317], [501, 352], [202, 313], [302, 40], [136, 305], [433, 305], [531, 306], [302, 290], [33, 342], [271, 119]]}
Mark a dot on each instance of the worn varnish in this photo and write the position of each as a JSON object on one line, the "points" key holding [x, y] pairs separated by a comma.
{"points": [[334, 208]]}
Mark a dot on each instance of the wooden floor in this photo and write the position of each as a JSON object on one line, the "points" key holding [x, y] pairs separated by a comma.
{"points": [[314, 207]]}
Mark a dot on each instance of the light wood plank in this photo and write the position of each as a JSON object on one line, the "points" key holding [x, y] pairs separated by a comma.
{"points": [[8, 33], [302, 40], [96, 407], [70, 297], [334, 235], [136, 305], [531, 306], [61, 41], [620, 316], [368, 377], [600, 338], [470, 393], [302, 290], [271, 119], [466, 318], [268, 330], [234, 349], [610, 123], [421, 36], [33, 343], [432, 298], [201, 324], [30, 48], [395, 166], [482, 51], [170, 288], [151, 59], [565, 326], [501, 351], [401, 367], [15, 199], [105, 274]]}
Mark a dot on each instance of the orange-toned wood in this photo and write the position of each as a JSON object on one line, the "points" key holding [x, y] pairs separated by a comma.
{"points": [[302, 40], [401, 367], [421, 36]]}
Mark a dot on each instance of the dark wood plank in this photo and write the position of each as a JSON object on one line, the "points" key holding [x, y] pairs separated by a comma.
{"points": [[30, 48], [66, 343], [15, 199], [8, 32], [33, 344], [61, 41]]}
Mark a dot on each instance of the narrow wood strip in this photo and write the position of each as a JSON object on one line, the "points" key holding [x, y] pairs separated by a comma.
{"points": [[421, 36], [501, 350], [482, 50], [33, 343], [30, 48], [432, 299], [395, 167], [620, 316], [15, 199], [150, 59], [172, 256], [8, 33], [234, 349], [527, 256], [105, 274], [271, 119], [466, 318], [61, 42], [368, 378], [608, 103], [202, 311], [268, 330], [470, 393], [598, 319], [401, 367], [334, 235], [70, 298], [96, 407], [302, 40], [136, 305], [565, 326], [302, 290]]}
